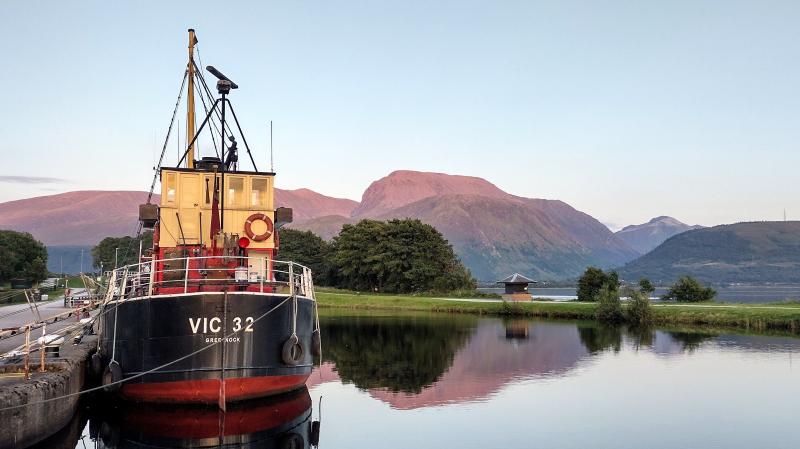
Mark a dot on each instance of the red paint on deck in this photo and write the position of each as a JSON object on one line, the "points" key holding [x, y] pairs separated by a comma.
{"points": [[207, 391]]}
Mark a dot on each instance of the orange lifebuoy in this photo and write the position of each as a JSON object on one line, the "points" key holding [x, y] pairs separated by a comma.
{"points": [[248, 227]]}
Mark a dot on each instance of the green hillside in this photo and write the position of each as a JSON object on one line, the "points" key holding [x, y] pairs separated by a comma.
{"points": [[758, 252]]}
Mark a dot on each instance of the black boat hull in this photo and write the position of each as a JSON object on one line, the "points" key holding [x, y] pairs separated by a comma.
{"points": [[207, 347]]}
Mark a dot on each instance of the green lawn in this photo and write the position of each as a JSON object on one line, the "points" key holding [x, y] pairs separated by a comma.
{"points": [[755, 318]]}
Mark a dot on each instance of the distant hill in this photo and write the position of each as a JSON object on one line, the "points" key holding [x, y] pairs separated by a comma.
{"points": [[74, 218], [495, 233], [497, 236], [326, 227], [403, 187], [68, 259], [307, 204], [86, 217], [756, 252], [644, 237]]}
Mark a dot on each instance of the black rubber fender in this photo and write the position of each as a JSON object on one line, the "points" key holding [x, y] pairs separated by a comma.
{"points": [[315, 344], [96, 365], [292, 353], [112, 375], [314, 437]]}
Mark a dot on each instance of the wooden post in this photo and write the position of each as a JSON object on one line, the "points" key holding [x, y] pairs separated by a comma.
{"points": [[291, 278], [27, 352], [41, 348]]}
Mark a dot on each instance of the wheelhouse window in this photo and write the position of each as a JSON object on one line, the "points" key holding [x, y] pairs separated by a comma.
{"points": [[170, 187], [258, 194], [235, 187]]}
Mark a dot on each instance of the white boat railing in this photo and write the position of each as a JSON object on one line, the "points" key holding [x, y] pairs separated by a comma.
{"points": [[182, 275]]}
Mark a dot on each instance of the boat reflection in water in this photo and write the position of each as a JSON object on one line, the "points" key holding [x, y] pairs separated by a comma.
{"points": [[276, 422]]}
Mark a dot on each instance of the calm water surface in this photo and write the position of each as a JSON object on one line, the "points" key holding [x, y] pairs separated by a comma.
{"points": [[466, 382]]}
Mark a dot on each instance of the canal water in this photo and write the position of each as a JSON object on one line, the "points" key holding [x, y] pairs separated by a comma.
{"points": [[442, 381]]}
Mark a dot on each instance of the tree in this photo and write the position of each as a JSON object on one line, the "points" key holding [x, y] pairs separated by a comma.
{"points": [[22, 256], [646, 287], [639, 313], [688, 289], [106, 252], [398, 256], [609, 306], [592, 280], [306, 248]]}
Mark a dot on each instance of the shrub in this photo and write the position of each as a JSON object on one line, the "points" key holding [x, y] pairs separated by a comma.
{"points": [[688, 289], [609, 307], [592, 280], [639, 312]]}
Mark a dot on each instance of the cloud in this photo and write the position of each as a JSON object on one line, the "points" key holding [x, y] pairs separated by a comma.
{"points": [[30, 180]]}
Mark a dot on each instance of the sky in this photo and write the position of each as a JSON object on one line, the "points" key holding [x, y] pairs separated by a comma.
{"points": [[626, 110]]}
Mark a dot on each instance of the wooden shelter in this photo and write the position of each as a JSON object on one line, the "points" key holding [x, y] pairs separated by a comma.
{"points": [[516, 283]]}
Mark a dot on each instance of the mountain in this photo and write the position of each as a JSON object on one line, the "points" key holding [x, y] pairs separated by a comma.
{"points": [[307, 204], [326, 227], [497, 236], [405, 187], [756, 252], [74, 218], [494, 233], [86, 217], [644, 237], [67, 258]]}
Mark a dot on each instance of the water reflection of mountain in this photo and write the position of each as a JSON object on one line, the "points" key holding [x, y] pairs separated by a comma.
{"points": [[423, 361], [450, 368], [283, 421]]}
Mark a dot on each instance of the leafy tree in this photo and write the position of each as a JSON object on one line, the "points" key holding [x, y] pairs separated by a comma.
{"points": [[639, 312], [398, 256], [106, 251], [609, 306], [646, 287], [593, 280], [22, 256], [309, 249], [688, 289]]}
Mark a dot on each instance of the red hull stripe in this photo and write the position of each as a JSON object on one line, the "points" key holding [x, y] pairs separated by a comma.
{"points": [[208, 390], [205, 422]]}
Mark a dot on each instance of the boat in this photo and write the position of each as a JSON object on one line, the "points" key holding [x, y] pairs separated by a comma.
{"points": [[209, 314]]}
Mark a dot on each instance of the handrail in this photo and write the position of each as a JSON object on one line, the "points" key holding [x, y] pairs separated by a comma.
{"points": [[189, 274]]}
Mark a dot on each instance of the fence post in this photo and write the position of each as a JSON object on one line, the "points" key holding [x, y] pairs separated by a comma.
{"points": [[27, 352], [291, 278], [41, 348]]}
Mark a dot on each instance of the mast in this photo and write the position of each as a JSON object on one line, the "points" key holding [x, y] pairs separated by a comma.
{"points": [[190, 101]]}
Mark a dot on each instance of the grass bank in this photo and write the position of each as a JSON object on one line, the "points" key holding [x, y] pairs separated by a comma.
{"points": [[752, 318]]}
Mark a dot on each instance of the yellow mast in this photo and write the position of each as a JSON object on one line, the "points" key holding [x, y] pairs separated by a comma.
{"points": [[190, 101]]}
